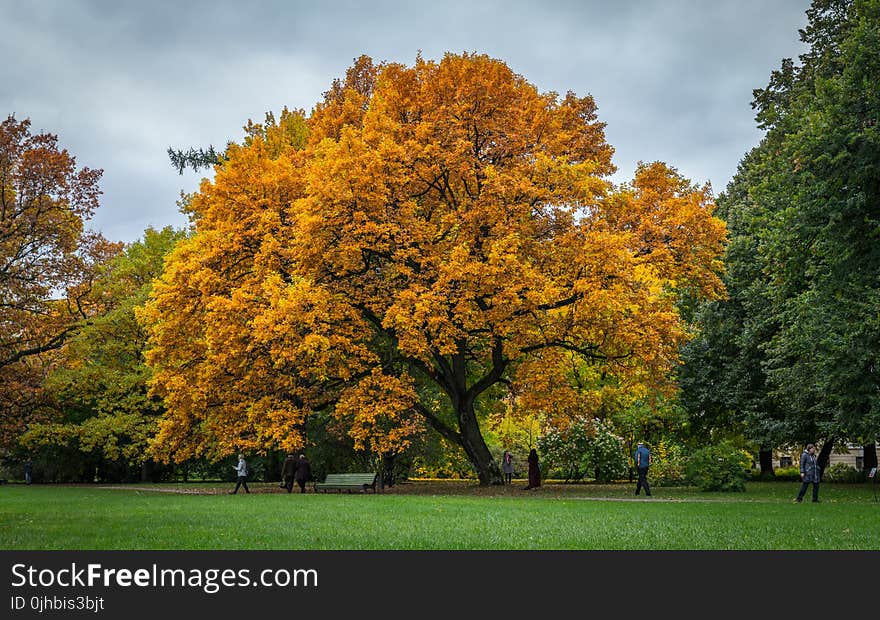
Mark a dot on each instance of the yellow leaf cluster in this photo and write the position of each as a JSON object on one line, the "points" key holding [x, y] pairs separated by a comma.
{"points": [[378, 413]]}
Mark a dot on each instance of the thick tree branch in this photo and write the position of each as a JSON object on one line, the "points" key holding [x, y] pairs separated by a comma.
{"points": [[54, 343], [439, 425], [499, 364], [589, 351]]}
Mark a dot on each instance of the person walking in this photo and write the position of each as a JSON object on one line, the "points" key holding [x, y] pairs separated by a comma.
{"points": [[242, 471], [303, 472], [28, 471], [287, 472], [534, 470], [642, 460], [507, 467], [809, 473]]}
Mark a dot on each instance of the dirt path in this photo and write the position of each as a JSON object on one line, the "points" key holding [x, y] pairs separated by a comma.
{"points": [[452, 488]]}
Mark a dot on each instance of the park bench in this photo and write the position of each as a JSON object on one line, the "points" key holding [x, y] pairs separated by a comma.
{"points": [[348, 482]]}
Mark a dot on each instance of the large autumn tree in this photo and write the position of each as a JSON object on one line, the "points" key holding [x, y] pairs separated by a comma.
{"points": [[47, 261], [437, 232]]}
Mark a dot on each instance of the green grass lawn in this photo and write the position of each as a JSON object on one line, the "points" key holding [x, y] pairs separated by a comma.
{"points": [[436, 516]]}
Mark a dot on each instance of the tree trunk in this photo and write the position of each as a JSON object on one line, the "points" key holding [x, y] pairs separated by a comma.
{"points": [[272, 471], [475, 447], [451, 375], [765, 456], [824, 455], [869, 458]]}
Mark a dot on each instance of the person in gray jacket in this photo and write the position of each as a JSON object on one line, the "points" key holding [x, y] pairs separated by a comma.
{"points": [[507, 467], [241, 470], [809, 473]]}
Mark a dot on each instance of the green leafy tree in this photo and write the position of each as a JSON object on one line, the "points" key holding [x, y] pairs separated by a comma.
{"points": [[724, 384], [98, 390], [823, 259]]}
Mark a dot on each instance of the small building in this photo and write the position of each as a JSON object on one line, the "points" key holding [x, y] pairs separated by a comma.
{"points": [[851, 454]]}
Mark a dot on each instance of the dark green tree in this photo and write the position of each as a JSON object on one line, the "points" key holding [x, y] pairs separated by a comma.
{"points": [[793, 354], [823, 260]]}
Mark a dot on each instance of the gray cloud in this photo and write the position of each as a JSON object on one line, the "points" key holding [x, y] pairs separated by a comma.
{"points": [[120, 82]]}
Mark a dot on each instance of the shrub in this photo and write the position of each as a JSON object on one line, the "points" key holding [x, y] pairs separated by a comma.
{"points": [[722, 467], [586, 448], [564, 450], [841, 472], [667, 465], [790, 474], [440, 458], [606, 456]]}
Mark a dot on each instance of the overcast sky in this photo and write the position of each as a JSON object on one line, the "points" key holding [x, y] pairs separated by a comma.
{"points": [[121, 81]]}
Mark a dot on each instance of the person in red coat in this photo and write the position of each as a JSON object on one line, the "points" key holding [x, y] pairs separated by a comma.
{"points": [[534, 470]]}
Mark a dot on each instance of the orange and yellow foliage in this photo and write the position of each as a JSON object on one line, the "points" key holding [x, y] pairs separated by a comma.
{"points": [[48, 263], [444, 223]]}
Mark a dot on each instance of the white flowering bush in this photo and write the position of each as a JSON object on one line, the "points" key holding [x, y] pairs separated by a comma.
{"points": [[606, 455], [586, 448]]}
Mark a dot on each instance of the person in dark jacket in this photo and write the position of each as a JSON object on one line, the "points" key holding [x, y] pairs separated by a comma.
{"points": [[287, 472], [642, 460], [303, 472], [534, 470], [28, 471], [809, 473]]}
